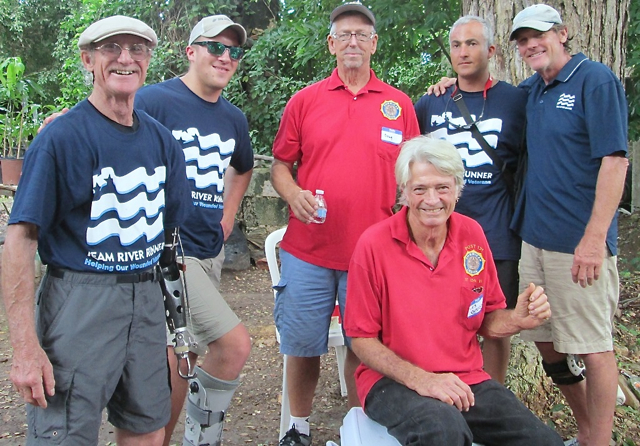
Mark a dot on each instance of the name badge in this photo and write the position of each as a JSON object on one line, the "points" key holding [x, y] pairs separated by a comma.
{"points": [[391, 135], [476, 307]]}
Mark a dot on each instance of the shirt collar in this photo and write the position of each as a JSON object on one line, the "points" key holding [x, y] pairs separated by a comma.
{"points": [[566, 72], [571, 67], [374, 83], [400, 232]]}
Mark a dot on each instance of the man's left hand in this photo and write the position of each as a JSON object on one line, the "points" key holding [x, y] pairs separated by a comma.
{"points": [[587, 260]]}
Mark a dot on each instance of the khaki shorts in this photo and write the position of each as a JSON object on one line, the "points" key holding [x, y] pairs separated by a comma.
{"points": [[211, 317], [581, 318]]}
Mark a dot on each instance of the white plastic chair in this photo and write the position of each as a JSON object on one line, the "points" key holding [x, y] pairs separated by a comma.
{"points": [[359, 430], [336, 340]]}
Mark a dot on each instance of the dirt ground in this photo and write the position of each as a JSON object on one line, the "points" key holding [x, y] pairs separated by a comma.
{"points": [[253, 417]]}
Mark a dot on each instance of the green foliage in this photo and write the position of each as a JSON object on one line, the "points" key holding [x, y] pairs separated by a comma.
{"points": [[21, 116], [294, 53], [288, 49]]}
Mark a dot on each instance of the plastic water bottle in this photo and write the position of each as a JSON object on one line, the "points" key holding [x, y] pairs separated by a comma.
{"points": [[321, 212]]}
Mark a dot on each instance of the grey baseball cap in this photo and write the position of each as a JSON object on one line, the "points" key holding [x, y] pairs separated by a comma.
{"points": [[539, 17], [115, 25], [213, 25], [352, 6]]}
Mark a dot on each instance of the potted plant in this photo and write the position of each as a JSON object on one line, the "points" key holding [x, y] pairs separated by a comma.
{"points": [[19, 116]]}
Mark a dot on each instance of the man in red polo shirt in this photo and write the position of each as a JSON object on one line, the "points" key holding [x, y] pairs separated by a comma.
{"points": [[422, 286], [344, 134]]}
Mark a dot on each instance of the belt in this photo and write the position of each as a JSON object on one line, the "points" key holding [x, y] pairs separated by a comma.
{"points": [[145, 276]]}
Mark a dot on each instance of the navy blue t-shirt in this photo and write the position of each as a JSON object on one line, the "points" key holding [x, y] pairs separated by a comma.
{"points": [[213, 135], [573, 122], [485, 197], [101, 196]]}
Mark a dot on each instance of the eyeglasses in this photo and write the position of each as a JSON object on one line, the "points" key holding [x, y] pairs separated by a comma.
{"points": [[137, 51], [360, 37], [218, 49]]}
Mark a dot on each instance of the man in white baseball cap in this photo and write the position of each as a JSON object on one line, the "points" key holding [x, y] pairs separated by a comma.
{"points": [[214, 135], [101, 188], [539, 17], [577, 146]]}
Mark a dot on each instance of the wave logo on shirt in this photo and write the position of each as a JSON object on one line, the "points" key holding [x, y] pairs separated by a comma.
{"points": [[119, 200], [473, 263], [208, 159], [566, 101], [452, 130]]}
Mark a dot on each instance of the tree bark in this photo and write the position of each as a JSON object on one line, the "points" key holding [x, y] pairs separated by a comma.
{"points": [[598, 28]]}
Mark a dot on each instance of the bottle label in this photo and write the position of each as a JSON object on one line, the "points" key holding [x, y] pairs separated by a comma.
{"points": [[321, 212]]}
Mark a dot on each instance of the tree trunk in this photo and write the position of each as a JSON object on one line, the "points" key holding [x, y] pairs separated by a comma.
{"points": [[598, 28]]}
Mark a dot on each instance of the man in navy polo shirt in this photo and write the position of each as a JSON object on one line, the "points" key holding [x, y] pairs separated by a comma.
{"points": [[577, 142]]}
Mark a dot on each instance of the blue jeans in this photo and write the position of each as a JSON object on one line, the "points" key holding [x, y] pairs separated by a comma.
{"points": [[498, 418], [305, 301]]}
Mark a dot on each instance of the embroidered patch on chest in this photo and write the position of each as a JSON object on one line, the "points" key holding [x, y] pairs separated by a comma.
{"points": [[473, 263], [391, 110], [476, 306], [566, 101]]}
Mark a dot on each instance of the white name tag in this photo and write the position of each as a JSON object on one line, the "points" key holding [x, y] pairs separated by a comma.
{"points": [[475, 307], [391, 135]]}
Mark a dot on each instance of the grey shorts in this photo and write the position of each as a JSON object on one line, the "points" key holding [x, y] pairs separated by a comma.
{"points": [[581, 318], [211, 317], [105, 341]]}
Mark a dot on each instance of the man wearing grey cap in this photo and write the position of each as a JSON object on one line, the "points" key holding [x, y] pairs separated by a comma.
{"points": [[101, 188], [349, 123], [577, 145], [214, 135]]}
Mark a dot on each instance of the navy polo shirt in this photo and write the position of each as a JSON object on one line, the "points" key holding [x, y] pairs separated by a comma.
{"points": [[573, 122]]}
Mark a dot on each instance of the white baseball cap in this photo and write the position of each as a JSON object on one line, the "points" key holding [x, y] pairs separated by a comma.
{"points": [[539, 17], [213, 25]]}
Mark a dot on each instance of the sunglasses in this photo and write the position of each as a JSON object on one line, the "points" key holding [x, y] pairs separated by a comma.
{"points": [[218, 49]]}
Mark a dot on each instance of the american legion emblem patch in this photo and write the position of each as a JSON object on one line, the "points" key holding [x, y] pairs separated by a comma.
{"points": [[391, 110], [473, 263]]}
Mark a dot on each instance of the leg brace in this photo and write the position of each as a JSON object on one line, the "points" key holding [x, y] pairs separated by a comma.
{"points": [[207, 403], [570, 371]]}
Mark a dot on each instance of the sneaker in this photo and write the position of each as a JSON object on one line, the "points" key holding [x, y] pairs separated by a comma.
{"points": [[295, 438], [572, 442]]}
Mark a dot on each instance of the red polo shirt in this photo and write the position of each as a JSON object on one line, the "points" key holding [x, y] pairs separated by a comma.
{"points": [[427, 316], [346, 145]]}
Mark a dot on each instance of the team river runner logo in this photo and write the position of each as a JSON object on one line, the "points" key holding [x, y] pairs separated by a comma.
{"points": [[473, 263], [126, 208]]}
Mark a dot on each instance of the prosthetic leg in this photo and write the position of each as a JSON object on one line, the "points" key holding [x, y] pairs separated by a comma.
{"points": [[175, 303], [207, 403]]}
